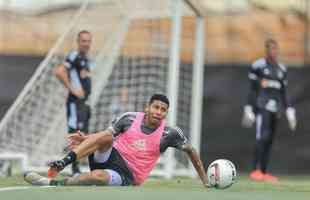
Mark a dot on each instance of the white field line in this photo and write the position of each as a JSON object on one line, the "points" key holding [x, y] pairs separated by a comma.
{"points": [[21, 188]]}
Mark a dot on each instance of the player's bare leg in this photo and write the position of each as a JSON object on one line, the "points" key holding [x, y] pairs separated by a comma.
{"points": [[34, 178], [96, 177]]}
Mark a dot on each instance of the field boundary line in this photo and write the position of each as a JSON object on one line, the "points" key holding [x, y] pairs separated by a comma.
{"points": [[4, 189]]}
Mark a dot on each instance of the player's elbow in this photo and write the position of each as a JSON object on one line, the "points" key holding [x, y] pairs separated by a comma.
{"points": [[59, 71]]}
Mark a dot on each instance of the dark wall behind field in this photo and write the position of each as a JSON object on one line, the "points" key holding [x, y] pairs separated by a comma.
{"points": [[223, 137], [14, 73], [225, 89]]}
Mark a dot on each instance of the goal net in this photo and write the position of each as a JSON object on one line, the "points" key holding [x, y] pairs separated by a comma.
{"points": [[131, 56]]}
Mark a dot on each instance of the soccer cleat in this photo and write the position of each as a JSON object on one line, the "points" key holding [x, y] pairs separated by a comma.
{"points": [[52, 172], [55, 167], [270, 178], [257, 175], [58, 165], [36, 179]]}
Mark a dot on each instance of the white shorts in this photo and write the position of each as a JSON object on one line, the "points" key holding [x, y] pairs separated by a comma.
{"points": [[101, 157]]}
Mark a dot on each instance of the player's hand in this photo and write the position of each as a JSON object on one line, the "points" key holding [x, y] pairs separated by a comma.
{"points": [[291, 118], [205, 181], [207, 185], [248, 118], [75, 139], [78, 137], [79, 93]]}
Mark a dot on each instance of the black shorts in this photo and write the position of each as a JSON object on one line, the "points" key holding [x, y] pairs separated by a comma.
{"points": [[116, 163], [82, 114]]}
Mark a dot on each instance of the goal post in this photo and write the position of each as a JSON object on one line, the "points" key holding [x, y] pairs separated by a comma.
{"points": [[139, 48], [173, 78], [198, 87], [197, 82]]}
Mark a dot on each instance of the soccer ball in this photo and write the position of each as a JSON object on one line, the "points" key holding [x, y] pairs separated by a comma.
{"points": [[221, 173]]}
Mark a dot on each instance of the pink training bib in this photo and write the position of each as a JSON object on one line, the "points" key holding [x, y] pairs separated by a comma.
{"points": [[141, 151]]}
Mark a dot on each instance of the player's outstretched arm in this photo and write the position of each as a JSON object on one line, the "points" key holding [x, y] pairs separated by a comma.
{"points": [[196, 161]]}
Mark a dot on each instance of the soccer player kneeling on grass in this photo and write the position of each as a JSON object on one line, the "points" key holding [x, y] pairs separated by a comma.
{"points": [[126, 152]]}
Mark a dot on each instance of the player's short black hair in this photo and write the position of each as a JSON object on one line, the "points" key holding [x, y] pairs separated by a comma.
{"points": [[159, 97], [82, 32]]}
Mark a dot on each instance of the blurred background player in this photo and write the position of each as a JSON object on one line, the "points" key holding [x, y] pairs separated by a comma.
{"points": [[121, 103], [126, 152], [267, 98], [74, 73]]}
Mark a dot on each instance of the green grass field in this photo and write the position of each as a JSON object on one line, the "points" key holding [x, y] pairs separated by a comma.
{"points": [[289, 188]]}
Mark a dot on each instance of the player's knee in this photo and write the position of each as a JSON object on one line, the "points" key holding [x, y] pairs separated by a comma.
{"points": [[100, 176]]}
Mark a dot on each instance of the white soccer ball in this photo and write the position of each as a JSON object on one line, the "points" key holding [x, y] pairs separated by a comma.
{"points": [[221, 173]]}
